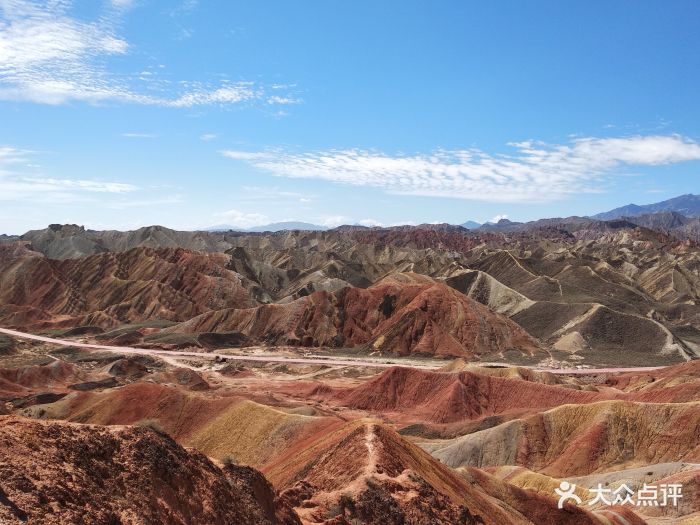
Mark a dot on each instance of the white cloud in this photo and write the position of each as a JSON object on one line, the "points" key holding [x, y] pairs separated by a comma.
{"points": [[333, 221], [122, 4], [10, 155], [19, 182], [535, 172], [48, 56], [231, 94], [270, 194], [35, 190], [369, 222], [241, 219], [498, 218], [139, 135], [85, 185], [125, 205], [245, 155], [185, 7], [275, 99], [208, 137]]}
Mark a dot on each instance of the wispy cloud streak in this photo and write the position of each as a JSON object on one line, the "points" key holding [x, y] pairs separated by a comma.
{"points": [[534, 172], [19, 181], [48, 56]]}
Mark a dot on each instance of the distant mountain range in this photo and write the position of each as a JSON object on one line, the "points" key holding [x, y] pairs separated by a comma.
{"points": [[687, 205], [676, 213], [272, 227], [679, 214]]}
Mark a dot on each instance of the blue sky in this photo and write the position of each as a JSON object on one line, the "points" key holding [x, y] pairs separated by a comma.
{"points": [[125, 113]]}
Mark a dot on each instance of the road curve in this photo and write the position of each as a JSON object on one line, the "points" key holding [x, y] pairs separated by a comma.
{"points": [[300, 360]]}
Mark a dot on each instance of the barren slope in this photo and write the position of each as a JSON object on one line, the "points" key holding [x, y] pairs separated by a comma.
{"points": [[61, 473], [403, 314], [110, 289], [575, 440]]}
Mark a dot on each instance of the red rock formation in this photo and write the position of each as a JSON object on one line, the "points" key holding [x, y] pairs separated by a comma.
{"points": [[25, 379], [62, 474], [578, 440], [447, 398], [114, 288], [405, 314]]}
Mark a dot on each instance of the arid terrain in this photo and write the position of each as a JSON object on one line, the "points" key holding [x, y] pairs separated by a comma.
{"points": [[410, 375]]}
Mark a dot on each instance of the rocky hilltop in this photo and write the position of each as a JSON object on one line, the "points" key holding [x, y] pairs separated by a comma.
{"points": [[62, 474], [581, 290]]}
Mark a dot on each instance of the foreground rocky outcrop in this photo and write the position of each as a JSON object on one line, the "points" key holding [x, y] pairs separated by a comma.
{"points": [[466, 444], [364, 472], [66, 474]]}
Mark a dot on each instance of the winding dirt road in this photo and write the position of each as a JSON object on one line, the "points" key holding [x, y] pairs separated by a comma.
{"points": [[297, 360]]}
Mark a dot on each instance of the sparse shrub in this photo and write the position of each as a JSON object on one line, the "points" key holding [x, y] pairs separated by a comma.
{"points": [[333, 511], [346, 503], [154, 425], [7, 345], [229, 461]]}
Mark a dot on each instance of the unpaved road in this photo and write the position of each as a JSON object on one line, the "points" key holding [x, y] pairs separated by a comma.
{"points": [[297, 360], [208, 355]]}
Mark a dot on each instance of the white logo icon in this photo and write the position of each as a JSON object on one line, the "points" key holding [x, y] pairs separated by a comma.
{"points": [[566, 492]]}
